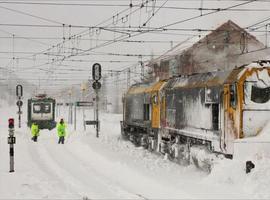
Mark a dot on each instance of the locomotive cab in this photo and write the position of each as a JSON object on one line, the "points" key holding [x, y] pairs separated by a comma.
{"points": [[256, 102], [247, 104]]}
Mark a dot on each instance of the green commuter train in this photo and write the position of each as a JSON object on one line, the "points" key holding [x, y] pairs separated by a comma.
{"points": [[41, 110]]}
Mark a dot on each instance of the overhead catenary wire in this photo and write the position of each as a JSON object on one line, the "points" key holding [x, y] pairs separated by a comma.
{"points": [[209, 13], [133, 0], [155, 12], [164, 26], [61, 43], [86, 39], [57, 45], [63, 3], [31, 15], [119, 41]]}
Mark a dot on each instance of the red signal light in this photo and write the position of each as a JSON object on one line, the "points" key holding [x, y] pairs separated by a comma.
{"points": [[10, 123]]}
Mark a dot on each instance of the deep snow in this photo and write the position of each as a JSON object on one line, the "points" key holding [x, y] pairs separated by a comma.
{"points": [[111, 168]]}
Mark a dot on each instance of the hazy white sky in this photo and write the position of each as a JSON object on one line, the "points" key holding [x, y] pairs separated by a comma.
{"points": [[30, 41]]}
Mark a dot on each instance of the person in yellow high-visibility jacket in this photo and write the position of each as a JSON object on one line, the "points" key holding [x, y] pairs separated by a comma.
{"points": [[35, 131], [61, 131]]}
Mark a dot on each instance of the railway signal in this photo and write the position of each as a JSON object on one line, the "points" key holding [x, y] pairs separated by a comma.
{"points": [[96, 85], [19, 103], [19, 94], [11, 123], [11, 142], [19, 90], [96, 71]]}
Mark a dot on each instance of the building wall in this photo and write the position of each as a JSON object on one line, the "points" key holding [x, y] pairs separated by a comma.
{"points": [[224, 48]]}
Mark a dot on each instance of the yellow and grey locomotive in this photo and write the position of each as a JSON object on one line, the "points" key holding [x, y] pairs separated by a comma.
{"points": [[206, 111]]}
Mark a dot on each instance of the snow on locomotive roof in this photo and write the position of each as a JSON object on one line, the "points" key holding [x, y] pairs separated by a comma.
{"points": [[259, 64], [256, 64], [205, 79], [41, 96]]}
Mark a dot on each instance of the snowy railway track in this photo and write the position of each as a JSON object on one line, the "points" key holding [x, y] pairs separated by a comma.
{"points": [[87, 178]]}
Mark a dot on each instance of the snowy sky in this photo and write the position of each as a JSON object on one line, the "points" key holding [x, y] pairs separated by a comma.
{"points": [[32, 40]]}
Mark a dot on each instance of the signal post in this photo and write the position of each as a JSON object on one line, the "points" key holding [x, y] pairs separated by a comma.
{"points": [[96, 74], [11, 142]]}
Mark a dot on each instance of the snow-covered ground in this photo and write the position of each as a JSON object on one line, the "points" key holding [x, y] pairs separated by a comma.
{"points": [[111, 168]]}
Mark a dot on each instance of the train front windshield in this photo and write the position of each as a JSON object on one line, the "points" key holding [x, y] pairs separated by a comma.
{"points": [[42, 108], [257, 90], [256, 110]]}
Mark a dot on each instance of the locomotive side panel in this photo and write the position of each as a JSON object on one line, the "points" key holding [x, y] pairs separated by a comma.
{"points": [[192, 112], [134, 111], [170, 109], [194, 109], [138, 110]]}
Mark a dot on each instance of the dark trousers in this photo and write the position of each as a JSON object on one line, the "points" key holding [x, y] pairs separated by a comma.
{"points": [[61, 140], [34, 138]]}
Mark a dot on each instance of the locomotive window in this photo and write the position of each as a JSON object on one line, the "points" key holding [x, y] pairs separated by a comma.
{"points": [[41, 108], [46, 108], [260, 95], [36, 108], [212, 95], [146, 112], [155, 99], [256, 94], [215, 116], [233, 96]]}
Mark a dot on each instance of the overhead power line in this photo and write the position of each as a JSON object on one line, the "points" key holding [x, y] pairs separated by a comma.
{"points": [[87, 39], [162, 27], [209, 13], [31, 15], [119, 39], [137, 1], [165, 26], [125, 5], [80, 33]]}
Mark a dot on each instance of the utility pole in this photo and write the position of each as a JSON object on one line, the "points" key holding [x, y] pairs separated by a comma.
{"points": [[142, 70], [266, 35], [128, 78], [104, 89], [70, 120], [83, 88], [97, 119], [117, 92]]}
